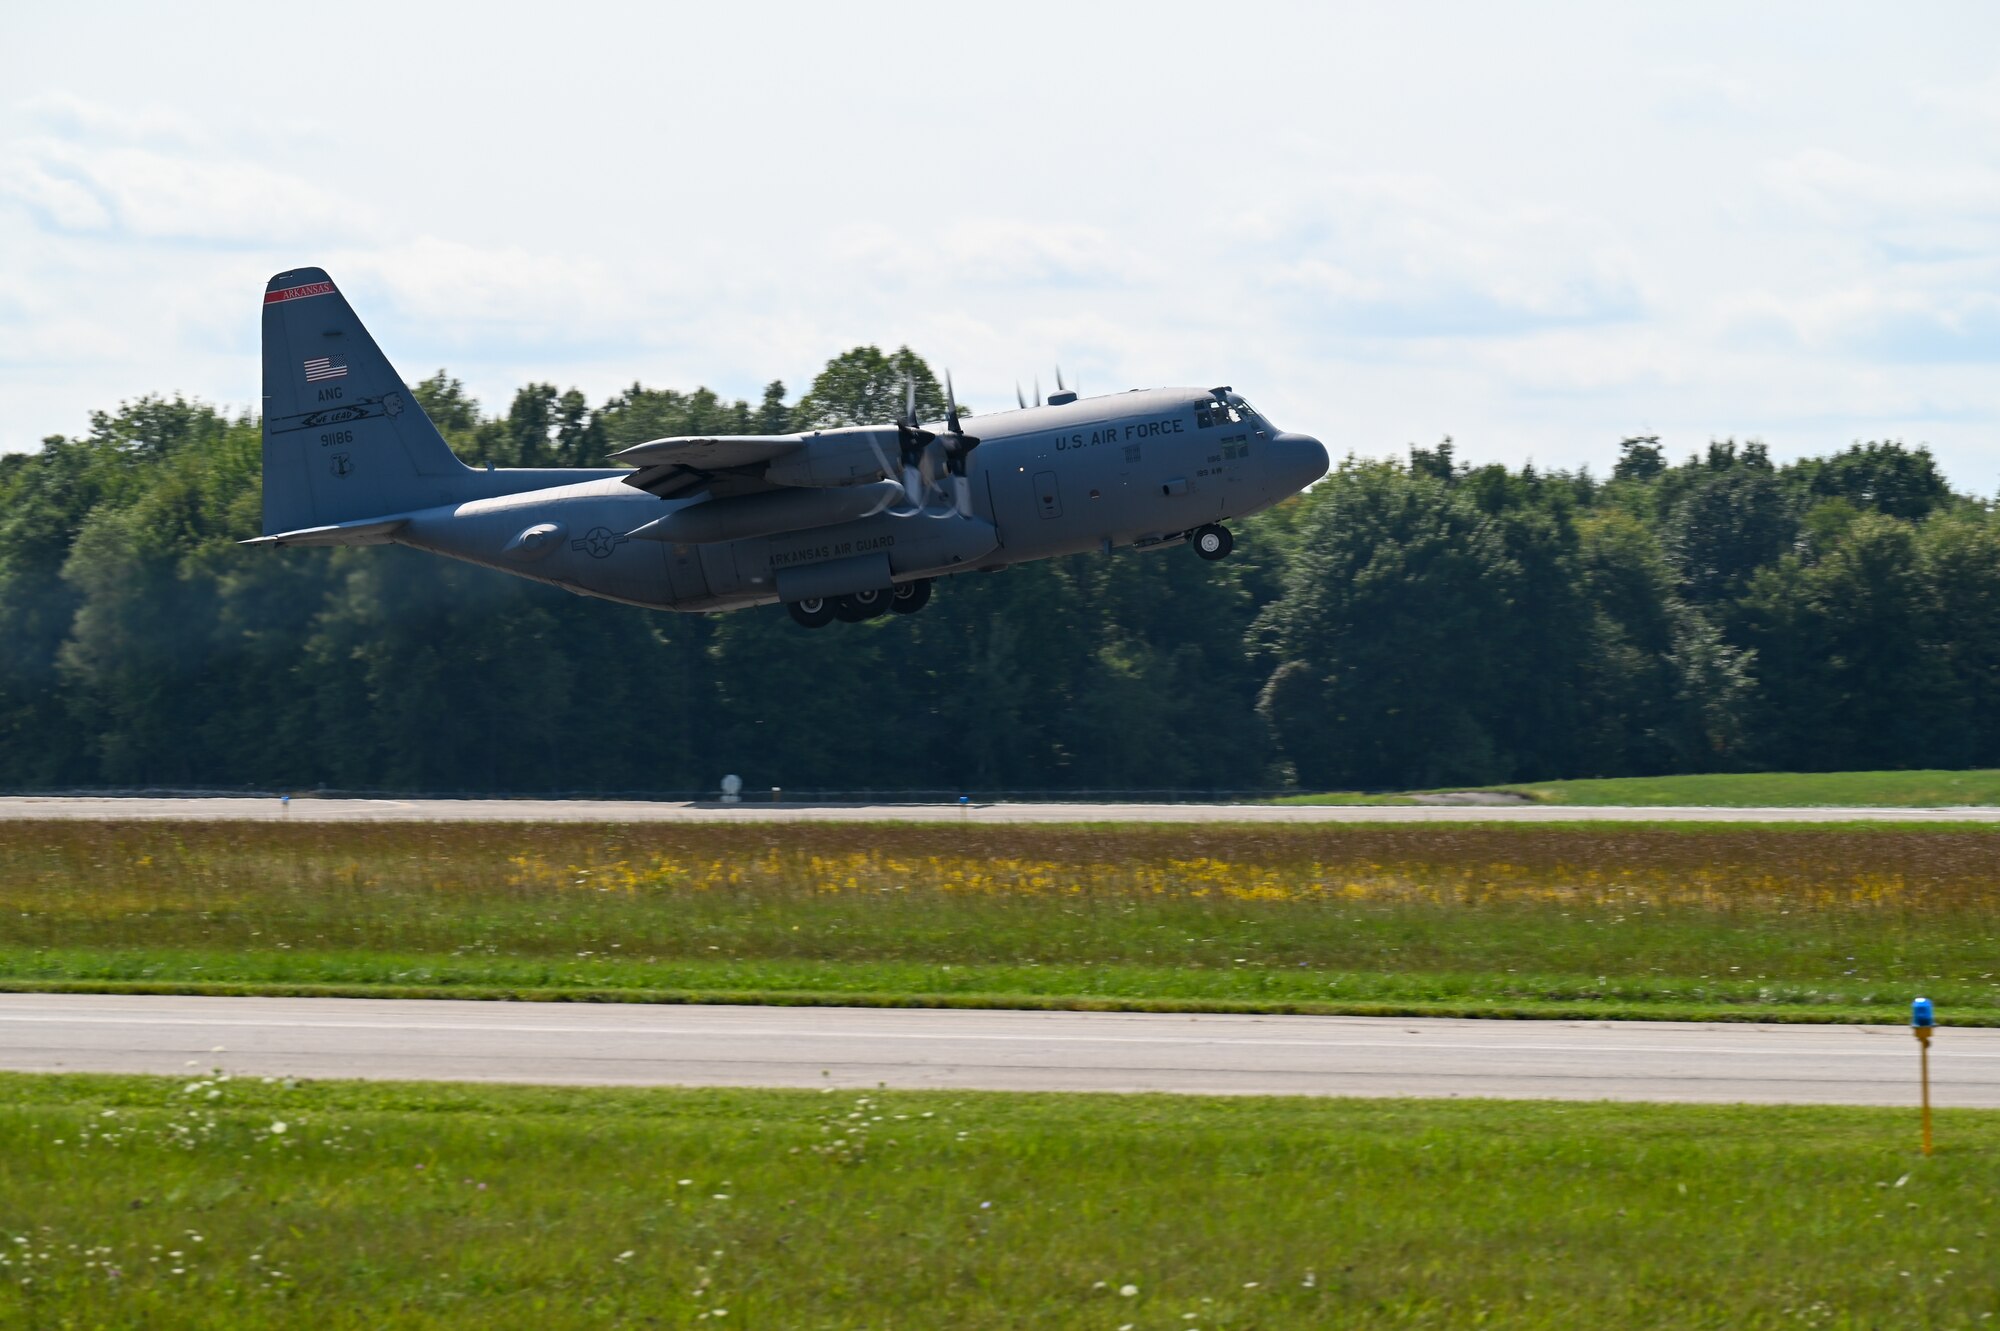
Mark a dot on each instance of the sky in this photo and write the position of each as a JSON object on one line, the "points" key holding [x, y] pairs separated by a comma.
{"points": [[1537, 229]]}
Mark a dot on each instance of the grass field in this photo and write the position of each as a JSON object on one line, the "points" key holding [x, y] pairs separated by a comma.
{"points": [[1745, 790], [214, 1204], [1717, 921]]}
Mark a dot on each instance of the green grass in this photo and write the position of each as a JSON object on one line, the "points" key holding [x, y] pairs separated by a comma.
{"points": [[166, 1204], [1738, 790], [1708, 922]]}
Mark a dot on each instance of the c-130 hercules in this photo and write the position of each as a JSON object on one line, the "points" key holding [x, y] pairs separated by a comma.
{"points": [[844, 523]]}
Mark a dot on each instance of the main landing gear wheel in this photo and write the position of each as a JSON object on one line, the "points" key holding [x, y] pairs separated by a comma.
{"points": [[862, 605], [911, 597], [815, 612], [1212, 542]]}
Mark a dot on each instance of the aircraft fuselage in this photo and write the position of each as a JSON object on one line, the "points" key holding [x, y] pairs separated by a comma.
{"points": [[1141, 468]]}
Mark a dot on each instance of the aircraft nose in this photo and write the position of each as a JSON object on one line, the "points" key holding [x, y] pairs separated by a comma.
{"points": [[1300, 460]]}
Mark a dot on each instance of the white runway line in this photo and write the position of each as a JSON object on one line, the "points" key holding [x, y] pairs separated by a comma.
{"points": [[637, 1044]]}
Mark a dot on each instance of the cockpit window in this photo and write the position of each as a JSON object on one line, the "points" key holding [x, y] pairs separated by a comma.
{"points": [[1221, 411]]}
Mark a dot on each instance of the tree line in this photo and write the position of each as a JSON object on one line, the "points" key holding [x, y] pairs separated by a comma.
{"points": [[1407, 623]]}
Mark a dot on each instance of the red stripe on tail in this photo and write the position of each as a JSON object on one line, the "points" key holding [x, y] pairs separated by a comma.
{"points": [[299, 293]]}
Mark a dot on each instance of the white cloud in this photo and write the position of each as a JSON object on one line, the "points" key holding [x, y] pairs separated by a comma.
{"points": [[1406, 256], [453, 284], [1839, 189], [985, 252], [1977, 102], [1877, 322], [1534, 234], [65, 115], [155, 177], [65, 201]]}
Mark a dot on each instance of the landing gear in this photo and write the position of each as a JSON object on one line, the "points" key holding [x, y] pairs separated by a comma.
{"points": [[1212, 542], [815, 612], [861, 605], [818, 611]]}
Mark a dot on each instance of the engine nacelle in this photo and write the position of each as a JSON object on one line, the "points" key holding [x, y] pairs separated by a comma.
{"points": [[849, 456]]}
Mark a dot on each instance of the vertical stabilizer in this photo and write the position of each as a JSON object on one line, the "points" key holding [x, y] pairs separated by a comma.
{"points": [[344, 438]]}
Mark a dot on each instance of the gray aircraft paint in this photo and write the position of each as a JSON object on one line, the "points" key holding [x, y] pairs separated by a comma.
{"points": [[350, 458]]}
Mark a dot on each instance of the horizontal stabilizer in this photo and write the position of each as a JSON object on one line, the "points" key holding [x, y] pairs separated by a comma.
{"points": [[373, 531]]}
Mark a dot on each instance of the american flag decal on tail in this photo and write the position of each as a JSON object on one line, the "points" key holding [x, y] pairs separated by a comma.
{"points": [[323, 367]]}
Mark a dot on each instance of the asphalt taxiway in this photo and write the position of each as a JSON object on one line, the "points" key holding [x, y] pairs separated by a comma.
{"points": [[646, 1045]]}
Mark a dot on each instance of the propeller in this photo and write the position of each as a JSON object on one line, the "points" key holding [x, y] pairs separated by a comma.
{"points": [[911, 441], [923, 458], [958, 446]]}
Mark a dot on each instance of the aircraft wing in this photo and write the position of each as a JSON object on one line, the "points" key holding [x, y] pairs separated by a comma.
{"points": [[722, 464]]}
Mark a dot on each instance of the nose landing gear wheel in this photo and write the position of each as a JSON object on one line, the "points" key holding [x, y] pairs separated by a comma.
{"points": [[1212, 542], [911, 597], [814, 612]]}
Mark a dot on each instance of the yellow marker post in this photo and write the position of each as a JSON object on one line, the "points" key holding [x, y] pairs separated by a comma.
{"points": [[1922, 1021]]}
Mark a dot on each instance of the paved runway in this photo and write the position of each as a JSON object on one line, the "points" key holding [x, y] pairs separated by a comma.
{"points": [[640, 811], [611, 1043]]}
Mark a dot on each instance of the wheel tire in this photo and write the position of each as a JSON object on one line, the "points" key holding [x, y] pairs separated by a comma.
{"points": [[814, 612], [861, 605], [911, 597], [1212, 542]]}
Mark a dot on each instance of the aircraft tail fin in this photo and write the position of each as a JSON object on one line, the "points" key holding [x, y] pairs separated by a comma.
{"points": [[344, 438]]}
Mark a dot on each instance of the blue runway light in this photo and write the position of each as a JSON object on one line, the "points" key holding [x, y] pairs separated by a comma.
{"points": [[1921, 1014]]}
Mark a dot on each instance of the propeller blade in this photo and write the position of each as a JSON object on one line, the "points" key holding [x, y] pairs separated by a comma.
{"points": [[962, 492], [1059, 382], [910, 403], [950, 405], [1038, 390], [1019, 400], [882, 459]]}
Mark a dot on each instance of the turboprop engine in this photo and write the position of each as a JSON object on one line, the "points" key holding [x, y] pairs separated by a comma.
{"points": [[849, 456]]}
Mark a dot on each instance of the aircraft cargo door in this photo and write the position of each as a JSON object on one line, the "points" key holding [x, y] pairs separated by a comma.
{"points": [[1047, 495]]}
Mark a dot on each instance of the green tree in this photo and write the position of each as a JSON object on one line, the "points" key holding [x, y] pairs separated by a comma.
{"points": [[1640, 458], [1732, 520], [1379, 674], [1846, 674], [1883, 477], [773, 416], [865, 387], [1960, 562]]}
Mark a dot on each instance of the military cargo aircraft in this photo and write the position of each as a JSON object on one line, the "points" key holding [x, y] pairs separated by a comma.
{"points": [[845, 523]]}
